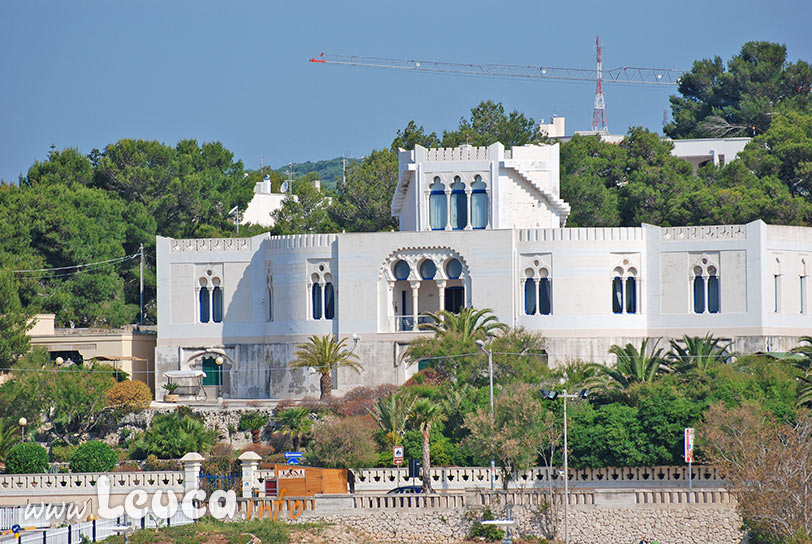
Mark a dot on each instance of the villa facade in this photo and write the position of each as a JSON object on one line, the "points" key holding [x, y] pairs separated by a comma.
{"points": [[481, 227]]}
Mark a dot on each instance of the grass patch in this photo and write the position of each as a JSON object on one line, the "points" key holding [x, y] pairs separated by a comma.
{"points": [[209, 530]]}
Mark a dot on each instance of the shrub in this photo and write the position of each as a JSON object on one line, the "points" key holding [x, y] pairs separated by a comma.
{"points": [[260, 449], [27, 458], [171, 436], [130, 396], [63, 453], [221, 460], [490, 533], [153, 463], [254, 422], [93, 456], [361, 400], [343, 443]]}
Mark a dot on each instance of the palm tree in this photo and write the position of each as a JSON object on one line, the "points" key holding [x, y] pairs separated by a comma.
{"points": [[698, 353], [325, 354], [392, 412], [425, 414], [9, 436], [469, 323], [805, 366], [633, 365], [295, 422]]}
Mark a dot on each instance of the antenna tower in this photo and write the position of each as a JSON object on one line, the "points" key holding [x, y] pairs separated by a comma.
{"points": [[599, 113]]}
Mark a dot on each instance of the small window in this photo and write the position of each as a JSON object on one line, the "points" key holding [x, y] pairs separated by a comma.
{"points": [[617, 295], [776, 293], [217, 304], [329, 301], [270, 303], [459, 205], [699, 295], [479, 204], [402, 270], [545, 296], [453, 269], [428, 269], [316, 296], [204, 305], [438, 212], [529, 296], [713, 294], [802, 292], [631, 295]]}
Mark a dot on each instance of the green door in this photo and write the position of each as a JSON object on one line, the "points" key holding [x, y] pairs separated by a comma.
{"points": [[212, 370]]}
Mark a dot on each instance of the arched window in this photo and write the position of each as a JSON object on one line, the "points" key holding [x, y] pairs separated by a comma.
{"points": [[545, 296], [617, 295], [204, 305], [270, 303], [713, 294], [217, 304], [459, 205], [530, 296], [479, 204], [699, 294], [316, 296], [631, 295], [428, 269], [453, 269], [402, 270], [329, 301], [437, 206]]}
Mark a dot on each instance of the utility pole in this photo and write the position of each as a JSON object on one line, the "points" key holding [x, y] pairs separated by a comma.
{"points": [[141, 280]]}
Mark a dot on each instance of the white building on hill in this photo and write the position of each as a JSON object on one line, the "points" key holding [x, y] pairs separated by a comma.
{"points": [[481, 227]]}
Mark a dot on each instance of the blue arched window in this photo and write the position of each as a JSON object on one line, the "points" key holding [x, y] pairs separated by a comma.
{"points": [[316, 295], [713, 294], [428, 269], [401, 270], [699, 295], [204, 305], [631, 295], [545, 296], [329, 301], [479, 204], [459, 205], [617, 295], [437, 206], [453, 269], [530, 296], [217, 304]]}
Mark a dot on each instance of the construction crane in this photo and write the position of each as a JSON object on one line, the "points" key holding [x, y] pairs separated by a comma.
{"points": [[623, 74]]}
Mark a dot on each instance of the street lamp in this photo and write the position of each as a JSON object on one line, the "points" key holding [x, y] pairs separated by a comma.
{"points": [[489, 351], [22, 422], [219, 362], [552, 395]]}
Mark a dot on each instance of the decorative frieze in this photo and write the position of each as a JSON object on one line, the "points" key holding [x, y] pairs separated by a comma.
{"points": [[712, 232], [210, 244]]}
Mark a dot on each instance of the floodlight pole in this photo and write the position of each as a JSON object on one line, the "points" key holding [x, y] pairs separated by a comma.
{"points": [[566, 477], [489, 351]]}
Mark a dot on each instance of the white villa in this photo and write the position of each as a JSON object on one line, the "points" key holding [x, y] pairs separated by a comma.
{"points": [[481, 227]]}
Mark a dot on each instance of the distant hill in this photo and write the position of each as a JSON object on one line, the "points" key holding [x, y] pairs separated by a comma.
{"points": [[329, 170]]}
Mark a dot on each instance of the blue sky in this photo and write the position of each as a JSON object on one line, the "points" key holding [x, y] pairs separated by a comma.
{"points": [[87, 73]]}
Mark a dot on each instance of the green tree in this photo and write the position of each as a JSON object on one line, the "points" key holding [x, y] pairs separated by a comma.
{"points": [[425, 414], [514, 435], [663, 413], [342, 443], [469, 323], [324, 354], [305, 211], [697, 354], [804, 367], [363, 202], [591, 172], [10, 434], [14, 321], [609, 435], [412, 135], [173, 435], [93, 456], [253, 422], [488, 123], [740, 100], [633, 365], [392, 412], [27, 458], [294, 422]]}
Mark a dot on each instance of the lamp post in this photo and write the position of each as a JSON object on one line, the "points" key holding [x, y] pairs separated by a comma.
{"points": [[489, 351], [219, 362], [552, 395], [22, 422]]}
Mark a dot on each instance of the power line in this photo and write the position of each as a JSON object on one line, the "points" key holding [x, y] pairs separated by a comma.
{"points": [[77, 266]]}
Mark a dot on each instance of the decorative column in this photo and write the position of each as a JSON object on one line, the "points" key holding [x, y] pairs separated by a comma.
{"points": [[250, 467], [390, 305], [415, 286], [191, 470], [441, 288]]}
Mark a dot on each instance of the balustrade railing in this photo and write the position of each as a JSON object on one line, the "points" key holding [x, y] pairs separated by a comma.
{"points": [[86, 482]]}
